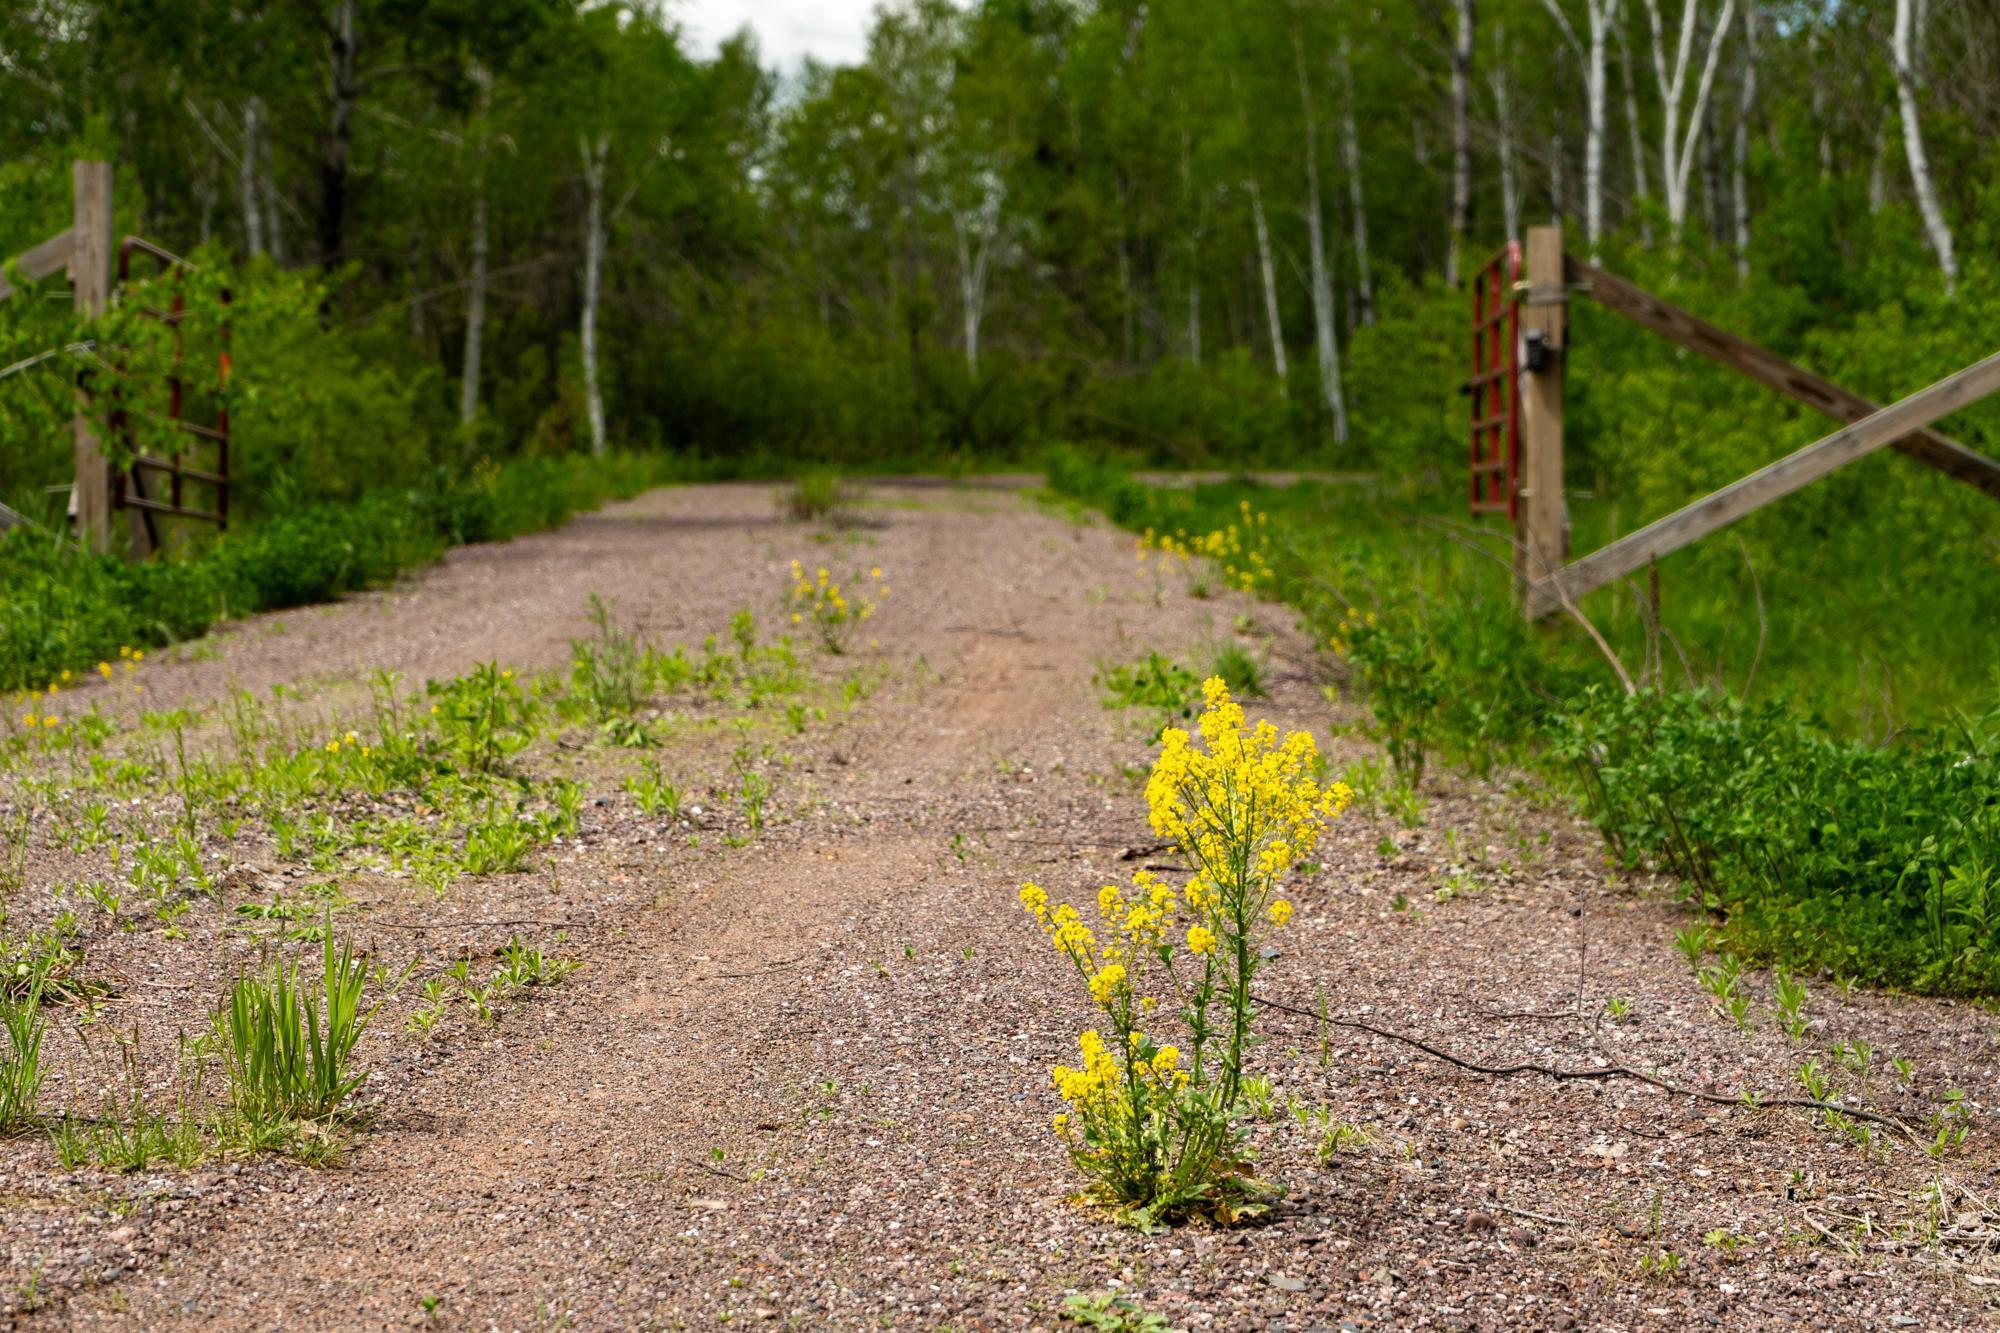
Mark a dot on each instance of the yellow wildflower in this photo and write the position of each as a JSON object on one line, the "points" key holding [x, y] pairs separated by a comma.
{"points": [[1105, 985]]}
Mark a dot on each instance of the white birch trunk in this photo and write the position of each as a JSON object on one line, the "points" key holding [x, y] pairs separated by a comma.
{"points": [[1678, 145], [1746, 108], [1357, 205], [1461, 141], [1599, 16], [974, 264], [246, 178], [1322, 279], [594, 155], [267, 192], [1194, 313], [1903, 53], [1269, 273], [1636, 131], [1593, 144], [1503, 116]]}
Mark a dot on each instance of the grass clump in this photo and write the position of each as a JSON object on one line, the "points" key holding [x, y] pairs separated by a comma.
{"points": [[1155, 683], [288, 1041], [21, 1066], [815, 496]]}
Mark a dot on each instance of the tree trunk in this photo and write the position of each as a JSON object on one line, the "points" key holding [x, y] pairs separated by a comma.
{"points": [[1599, 14], [339, 137], [1461, 141], [1878, 174], [594, 155], [267, 192], [1558, 175], [246, 179], [1637, 132], [1746, 109], [1322, 279], [974, 264], [1678, 146], [1503, 118], [1350, 144], [475, 299], [1268, 271], [1902, 50], [1194, 312]]}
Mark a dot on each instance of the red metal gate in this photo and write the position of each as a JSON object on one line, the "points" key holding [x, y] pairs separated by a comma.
{"points": [[1495, 386], [131, 488]]}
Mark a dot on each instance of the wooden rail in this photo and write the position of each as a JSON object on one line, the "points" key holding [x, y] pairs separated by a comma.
{"points": [[1774, 372], [37, 262], [1720, 508]]}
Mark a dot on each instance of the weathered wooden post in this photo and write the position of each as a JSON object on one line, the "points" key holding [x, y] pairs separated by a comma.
{"points": [[1543, 531], [90, 278]]}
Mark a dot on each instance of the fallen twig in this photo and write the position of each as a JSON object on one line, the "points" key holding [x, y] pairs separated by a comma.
{"points": [[1533, 1217], [1597, 1072], [448, 924]]}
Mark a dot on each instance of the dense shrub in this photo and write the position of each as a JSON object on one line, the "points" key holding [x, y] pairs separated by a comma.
{"points": [[1875, 862]]}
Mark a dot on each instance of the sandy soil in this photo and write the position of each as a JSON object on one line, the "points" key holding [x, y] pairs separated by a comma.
{"points": [[804, 1081]]}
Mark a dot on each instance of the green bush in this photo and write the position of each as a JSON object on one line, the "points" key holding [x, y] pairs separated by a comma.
{"points": [[1873, 862]]}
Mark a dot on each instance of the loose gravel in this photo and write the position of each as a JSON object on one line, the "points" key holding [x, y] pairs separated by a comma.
{"points": [[804, 1081]]}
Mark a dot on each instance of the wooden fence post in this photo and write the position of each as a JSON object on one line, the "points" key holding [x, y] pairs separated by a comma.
{"points": [[90, 277], [1544, 518]]}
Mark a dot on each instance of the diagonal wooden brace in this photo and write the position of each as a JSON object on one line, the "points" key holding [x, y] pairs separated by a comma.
{"points": [[1774, 372], [1790, 473]]}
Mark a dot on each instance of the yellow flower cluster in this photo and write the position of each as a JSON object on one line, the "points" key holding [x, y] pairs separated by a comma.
{"points": [[1242, 549], [1241, 797], [1351, 623], [1096, 1089], [32, 701], [352, 741], [820, 600]]}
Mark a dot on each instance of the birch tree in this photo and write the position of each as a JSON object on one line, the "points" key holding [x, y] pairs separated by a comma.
{"points": [[1640, 190], [594, 154], [1746, 108], [1268, 272], [246, 178], [1904, 43], [1681, 119], [1599, 18], [1357, 205], [1328, 337], [1503, 123], [977, 230], [1461, 139]]}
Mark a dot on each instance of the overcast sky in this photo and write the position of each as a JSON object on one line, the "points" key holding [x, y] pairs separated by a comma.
{"points": [[835, 31]]}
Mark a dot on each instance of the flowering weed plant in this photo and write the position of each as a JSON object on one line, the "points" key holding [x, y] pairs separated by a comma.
{"points": [[832, 611], [1155, 1128]]}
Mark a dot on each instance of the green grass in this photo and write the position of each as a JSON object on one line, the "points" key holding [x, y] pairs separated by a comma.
{"points": [[62, 610]]}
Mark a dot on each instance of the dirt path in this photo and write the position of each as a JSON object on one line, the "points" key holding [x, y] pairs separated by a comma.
{"points": [[804, 1081]]}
